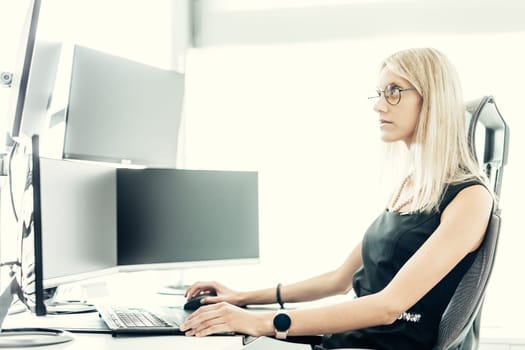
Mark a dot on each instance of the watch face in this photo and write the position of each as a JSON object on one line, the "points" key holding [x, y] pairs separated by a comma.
{"points": [[282, 322]]}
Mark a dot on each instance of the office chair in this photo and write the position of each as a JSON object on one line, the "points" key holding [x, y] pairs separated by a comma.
{"points": [[460, 323]]}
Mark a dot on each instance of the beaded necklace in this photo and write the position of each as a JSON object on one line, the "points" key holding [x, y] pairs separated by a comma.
{"points": [[397, 207]]}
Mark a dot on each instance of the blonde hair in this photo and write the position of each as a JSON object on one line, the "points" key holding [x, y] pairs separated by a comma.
{"points": [[439, 154]]}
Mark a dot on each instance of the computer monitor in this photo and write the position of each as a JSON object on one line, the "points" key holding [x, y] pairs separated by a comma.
{"points": [[22, 69], [175, 218], [33, 80], [26, 274], [98, 220], [79, 221], [122, 111], [39, 92], [26, 192]]}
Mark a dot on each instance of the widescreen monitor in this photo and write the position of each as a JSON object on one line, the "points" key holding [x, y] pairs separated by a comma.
{"points": [[122, 111], [175, 218]]}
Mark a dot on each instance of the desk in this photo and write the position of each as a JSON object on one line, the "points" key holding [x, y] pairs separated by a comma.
{"points": [[93, 341], [90, 332], [491, 337], [131, 289]]}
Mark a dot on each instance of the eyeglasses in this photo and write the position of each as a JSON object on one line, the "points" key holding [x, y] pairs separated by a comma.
{"points": [[392, 94]]}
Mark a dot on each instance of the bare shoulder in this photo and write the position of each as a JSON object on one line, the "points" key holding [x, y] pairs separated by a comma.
{"points": [[475, 196], [469, 213]]}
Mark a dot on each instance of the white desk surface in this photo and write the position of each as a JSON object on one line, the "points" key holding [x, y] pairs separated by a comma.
{"points": [[127, 292], [101, 341]]}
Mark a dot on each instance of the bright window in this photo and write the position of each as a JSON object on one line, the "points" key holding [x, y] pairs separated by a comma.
{"points": [[299, 115]]}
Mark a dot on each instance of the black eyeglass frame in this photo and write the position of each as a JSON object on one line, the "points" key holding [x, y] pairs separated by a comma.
{"points": [[391, 88]]}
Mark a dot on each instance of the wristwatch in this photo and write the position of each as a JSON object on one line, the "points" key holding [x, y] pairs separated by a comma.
{"points": [[281, 323]]}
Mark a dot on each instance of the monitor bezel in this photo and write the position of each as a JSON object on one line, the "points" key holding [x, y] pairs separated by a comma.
{"points": [[40, 307], [183, 265], [20, 82], [30, 222]]}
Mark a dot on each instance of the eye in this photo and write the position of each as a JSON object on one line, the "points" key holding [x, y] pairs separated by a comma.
{"points": [[392, 90]]}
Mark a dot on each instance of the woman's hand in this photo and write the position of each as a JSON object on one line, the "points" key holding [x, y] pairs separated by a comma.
{"points": [[223, 318], [223, 293]]}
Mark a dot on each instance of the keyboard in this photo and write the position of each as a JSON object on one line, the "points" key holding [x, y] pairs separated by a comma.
{"points": [[124, 319]]}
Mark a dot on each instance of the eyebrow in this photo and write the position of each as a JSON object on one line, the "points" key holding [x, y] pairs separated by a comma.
{"points": [[398, 85]]}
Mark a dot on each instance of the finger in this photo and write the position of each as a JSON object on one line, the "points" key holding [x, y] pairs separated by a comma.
{"points": [[200, 316], [194, 290], [191, 291], [190, 320], [209, 326], [200, 287], [211, 300], [193, 319], [213, 329]]}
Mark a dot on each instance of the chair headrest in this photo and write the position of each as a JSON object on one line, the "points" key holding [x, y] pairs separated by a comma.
{"points": [[484, 112]]}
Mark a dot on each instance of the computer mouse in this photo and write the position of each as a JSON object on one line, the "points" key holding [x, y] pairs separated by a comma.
{"points": [[195, 302]]}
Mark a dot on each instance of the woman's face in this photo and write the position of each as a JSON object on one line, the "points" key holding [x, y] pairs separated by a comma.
{"points": [[397, 121]]}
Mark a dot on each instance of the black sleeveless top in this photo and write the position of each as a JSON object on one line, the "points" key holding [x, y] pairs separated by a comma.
{"points": [[387, 244]]}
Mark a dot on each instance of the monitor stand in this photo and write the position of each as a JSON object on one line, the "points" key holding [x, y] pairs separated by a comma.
{"points": [[24, 337], [73, 298], [177, 287]]}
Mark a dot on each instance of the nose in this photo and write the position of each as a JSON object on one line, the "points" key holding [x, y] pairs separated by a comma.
{"points": [[380, 105]]}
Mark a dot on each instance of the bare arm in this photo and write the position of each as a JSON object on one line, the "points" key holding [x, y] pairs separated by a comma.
{"points": [[338, 281], [468, 213]]}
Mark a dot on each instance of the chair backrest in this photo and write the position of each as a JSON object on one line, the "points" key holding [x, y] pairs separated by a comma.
{"points": [[460, 324]]}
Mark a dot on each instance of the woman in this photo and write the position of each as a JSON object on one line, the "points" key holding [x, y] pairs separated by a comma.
{"points": [[409, 262]]}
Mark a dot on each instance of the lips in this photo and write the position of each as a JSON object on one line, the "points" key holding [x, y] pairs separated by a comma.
{"points": [[384, 121]]}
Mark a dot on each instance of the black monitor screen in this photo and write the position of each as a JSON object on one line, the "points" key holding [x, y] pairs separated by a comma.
{"points": [[122, 111], [168, 216]]}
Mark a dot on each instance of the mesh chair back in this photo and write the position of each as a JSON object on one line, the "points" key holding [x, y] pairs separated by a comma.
{"points": [[460, 324]]}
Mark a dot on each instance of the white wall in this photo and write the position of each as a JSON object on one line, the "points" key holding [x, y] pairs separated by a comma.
{"points": [[240, 22], [285, 93]]}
